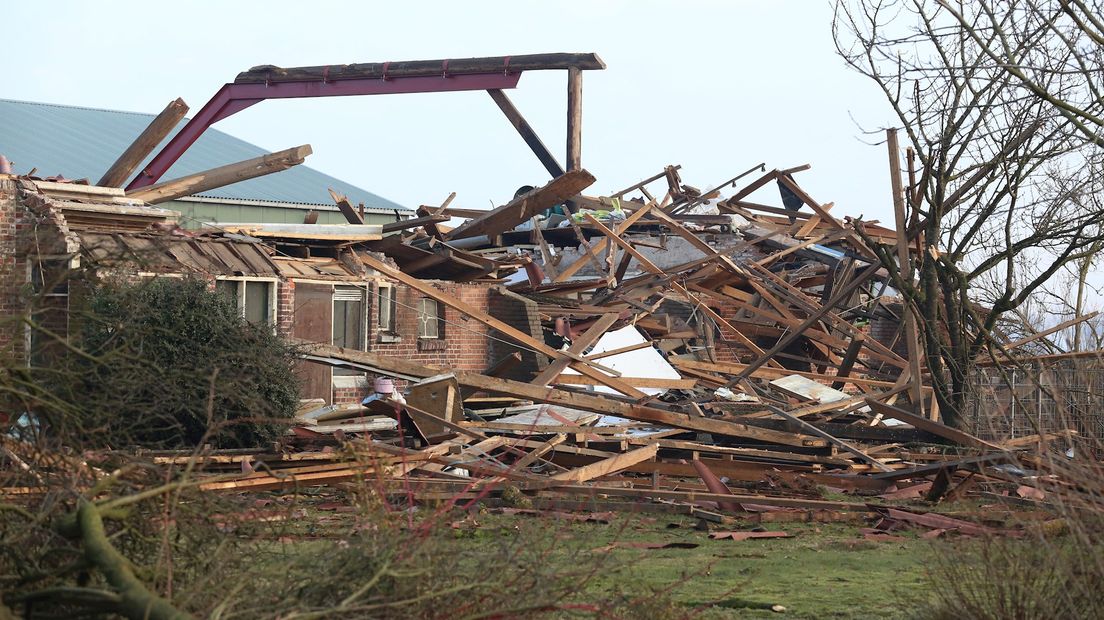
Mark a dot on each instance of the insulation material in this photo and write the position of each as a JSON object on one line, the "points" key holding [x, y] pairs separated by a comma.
{"points": [[646, 363]]}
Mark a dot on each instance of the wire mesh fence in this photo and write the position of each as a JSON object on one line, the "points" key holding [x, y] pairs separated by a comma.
{"points": [[1009, 403]]}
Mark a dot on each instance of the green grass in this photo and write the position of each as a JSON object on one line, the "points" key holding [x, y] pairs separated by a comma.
{"points": [[824, 571]]}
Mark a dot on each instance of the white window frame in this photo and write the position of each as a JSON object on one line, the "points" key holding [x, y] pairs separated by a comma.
{"points": [[387, 302], [273, 294], [438, 319]]}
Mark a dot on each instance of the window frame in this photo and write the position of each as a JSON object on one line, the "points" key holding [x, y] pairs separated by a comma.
{"points": [[386, 302], [239, 294], [440, 328], [365, 308]]}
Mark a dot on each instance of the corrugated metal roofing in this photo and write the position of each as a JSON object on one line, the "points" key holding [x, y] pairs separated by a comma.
{"points": [[83, 143]]}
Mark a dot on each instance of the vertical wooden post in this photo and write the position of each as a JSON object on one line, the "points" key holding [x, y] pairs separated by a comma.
{"points": [[904, 262], [574, 118]]}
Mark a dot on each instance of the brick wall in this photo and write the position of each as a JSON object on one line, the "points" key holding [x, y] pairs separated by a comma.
{"points": [[285, 307], [12, 271], [464, 344], [520, 313]]}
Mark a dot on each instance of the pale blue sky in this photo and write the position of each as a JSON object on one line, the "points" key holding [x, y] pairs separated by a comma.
{"points": [[713, 85]]}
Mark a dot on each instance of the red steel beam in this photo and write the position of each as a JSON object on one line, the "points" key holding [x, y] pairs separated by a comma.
{"points": [[233, 98]]}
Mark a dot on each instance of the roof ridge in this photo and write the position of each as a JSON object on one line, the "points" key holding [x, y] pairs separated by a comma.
{"points": [[75, 107]]}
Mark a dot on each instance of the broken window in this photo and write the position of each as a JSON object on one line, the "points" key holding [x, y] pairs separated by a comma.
{"points": [[429, 319]]}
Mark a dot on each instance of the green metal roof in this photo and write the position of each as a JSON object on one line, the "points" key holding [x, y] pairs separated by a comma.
{"points": [[83, 143]]}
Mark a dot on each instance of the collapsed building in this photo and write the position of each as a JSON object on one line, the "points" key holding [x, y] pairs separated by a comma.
{"points": [[555, 340]]}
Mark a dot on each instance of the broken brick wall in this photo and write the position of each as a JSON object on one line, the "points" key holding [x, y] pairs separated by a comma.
{"points": [[13, 270]]}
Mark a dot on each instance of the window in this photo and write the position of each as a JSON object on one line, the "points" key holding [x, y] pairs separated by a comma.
{"points": [[256, 299], [385, 309], [348, 317], [429, 319]]}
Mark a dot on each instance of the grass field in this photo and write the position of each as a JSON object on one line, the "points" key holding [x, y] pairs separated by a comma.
{"points": [[823, 571]]}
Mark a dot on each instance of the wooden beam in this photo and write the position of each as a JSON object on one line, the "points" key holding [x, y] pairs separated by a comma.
{"points": [[221, 176], [423, 68], [579, 363], [849, 358], [839, 443], [768, 373], [1046, 332], [574, 119], [539, 451], [813, 318], [935, 428], [608, 466], [352, 215], [523, 207], [527, 133], [904, 267], [414, 222], [580, 344], [143, 145], [637, 382], [539, 394]]}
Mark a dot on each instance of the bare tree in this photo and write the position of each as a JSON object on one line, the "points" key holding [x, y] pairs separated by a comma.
{"points": [[995, 206]]}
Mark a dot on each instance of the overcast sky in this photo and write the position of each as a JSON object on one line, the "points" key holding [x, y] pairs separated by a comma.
{"points": [[717, 86]]}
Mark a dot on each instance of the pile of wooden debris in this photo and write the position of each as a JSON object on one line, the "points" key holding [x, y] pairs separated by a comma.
{"points": [[712, 363]]}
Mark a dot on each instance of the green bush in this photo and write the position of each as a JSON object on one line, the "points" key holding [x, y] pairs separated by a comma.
{"points": [[167, 363]]}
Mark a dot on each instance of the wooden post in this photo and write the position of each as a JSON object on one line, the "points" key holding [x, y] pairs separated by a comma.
{"points": [[526, 131], [574, 118], [904, 262], [144, 144]]}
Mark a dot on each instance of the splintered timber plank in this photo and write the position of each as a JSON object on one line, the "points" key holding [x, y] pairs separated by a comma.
{"points": [[144, 144], [523, 207], [596, 248], [608, 466], [223, 175], [347, 209], [904, 263], [398, 367], [812, 319], [651, 267], [812, 430], [578, 346], [578, 363], [935, 428], [269, 482]]}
